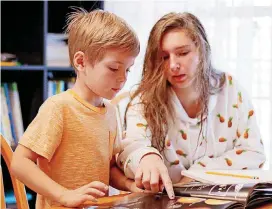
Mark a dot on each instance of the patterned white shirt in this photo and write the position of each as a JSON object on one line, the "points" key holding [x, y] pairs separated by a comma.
{"points": [[230, 137]]}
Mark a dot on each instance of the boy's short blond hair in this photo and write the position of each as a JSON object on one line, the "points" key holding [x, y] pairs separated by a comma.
{"points": [[96, 31]]}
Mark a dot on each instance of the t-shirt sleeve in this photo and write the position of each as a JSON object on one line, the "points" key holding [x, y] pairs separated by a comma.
{"points": [[44, 133]]}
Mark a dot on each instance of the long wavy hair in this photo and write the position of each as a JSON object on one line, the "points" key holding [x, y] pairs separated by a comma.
{"points": [[154, 87]]}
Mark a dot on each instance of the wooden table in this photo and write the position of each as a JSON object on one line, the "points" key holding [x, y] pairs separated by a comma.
{"points": [[108, 200]]}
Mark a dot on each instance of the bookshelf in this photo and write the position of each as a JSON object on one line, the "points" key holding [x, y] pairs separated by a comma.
{"points": [[26, 26]]}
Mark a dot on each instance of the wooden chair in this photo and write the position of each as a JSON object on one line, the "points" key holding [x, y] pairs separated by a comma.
{"points": [[18, 187]]}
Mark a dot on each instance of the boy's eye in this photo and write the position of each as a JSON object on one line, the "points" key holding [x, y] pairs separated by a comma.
{"points": [[128, 70]]}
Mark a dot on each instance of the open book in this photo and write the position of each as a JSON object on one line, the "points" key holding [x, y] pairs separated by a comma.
{"points": [[195, 196], [249, 195], [162, 201]]}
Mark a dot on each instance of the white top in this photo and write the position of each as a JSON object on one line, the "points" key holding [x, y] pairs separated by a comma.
{"points": [[230, 136]]}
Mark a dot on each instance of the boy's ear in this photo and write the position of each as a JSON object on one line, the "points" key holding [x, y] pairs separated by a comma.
{"points": [[79, 60]]}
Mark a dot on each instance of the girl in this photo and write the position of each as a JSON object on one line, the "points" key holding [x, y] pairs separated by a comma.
{"points": [[185, 114]]}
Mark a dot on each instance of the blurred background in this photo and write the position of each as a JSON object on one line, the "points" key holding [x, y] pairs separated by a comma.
{"points": [[35, 62]]}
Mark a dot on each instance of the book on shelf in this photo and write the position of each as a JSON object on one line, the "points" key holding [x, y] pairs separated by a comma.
{"points": [[8, 59], [58, 86], [5, 121], [10, 113], [11, 117], [9, 64], [16, 110]]}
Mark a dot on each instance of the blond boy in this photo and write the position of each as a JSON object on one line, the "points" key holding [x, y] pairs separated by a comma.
{"points": [[64, 155]]}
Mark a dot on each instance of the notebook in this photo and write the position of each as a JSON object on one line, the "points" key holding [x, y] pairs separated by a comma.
{"points": [[229, 176]]}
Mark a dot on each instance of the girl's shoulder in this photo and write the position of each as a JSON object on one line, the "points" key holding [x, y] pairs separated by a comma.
{"points": [[232, 86]]}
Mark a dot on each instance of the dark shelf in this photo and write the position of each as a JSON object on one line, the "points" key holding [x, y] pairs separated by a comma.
{"points": [[58, 10], [60, 69], [36, 67], [22, 31], [23, 67], [25, 26]]}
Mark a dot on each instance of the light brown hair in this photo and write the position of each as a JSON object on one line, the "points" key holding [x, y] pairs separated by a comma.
{"points": [[96, 31], [154, 87]]}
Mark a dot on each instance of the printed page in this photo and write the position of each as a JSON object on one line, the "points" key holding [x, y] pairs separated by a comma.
{"points": [[229, 176]]}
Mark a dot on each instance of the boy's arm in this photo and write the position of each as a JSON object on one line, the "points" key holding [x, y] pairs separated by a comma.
{"points": [[40, 141], [24, 159], [119, 181]]}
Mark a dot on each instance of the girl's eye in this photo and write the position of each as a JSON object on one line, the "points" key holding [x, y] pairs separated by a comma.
{"points": [[128, 70], [165, 57], [113, 69], [182, 53]]}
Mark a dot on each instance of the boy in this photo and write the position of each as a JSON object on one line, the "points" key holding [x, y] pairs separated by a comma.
{"points": [[73, 137]]}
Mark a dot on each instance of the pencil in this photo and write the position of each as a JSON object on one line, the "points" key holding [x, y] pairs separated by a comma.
{"points": [[232, 175]]}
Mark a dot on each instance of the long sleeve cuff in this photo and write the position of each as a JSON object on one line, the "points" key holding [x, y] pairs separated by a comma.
{"points": [[133, 160]]}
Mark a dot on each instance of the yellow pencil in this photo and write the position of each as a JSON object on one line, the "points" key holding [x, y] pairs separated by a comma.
{"points": [[232, 175]]}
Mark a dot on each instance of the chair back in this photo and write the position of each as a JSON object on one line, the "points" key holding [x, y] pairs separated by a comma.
{"points": [[18, 187]]}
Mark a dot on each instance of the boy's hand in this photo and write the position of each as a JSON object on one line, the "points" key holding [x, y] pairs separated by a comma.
{"points": [[131, 186], [151, 172], [89, 192]]}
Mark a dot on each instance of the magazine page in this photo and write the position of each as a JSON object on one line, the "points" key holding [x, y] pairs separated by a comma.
{"points": [[261, 194], [161, 201], [235, 192]]}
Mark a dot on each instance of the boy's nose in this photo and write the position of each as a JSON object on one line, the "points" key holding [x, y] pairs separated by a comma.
{"points": [[122, 78]]}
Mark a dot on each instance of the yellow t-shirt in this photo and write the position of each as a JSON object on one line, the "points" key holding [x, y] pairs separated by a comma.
{"points": [[75, 139]]}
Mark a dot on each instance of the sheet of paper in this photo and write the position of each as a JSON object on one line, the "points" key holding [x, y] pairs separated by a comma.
{"points": [[202, 176]]}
